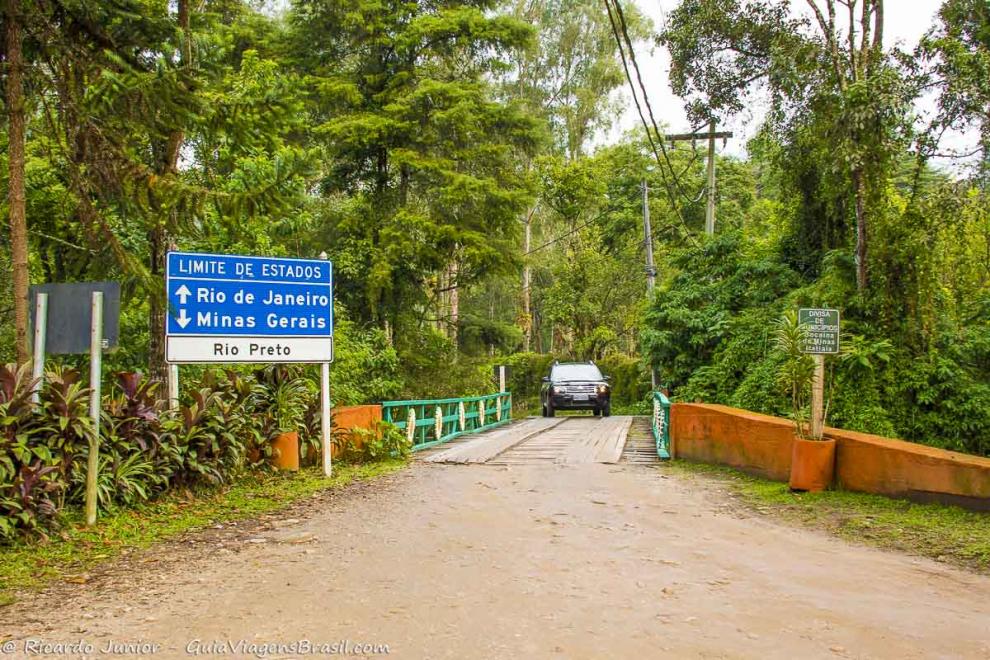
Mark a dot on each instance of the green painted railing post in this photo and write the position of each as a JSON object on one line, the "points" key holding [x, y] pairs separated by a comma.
{"points": [[661, 424]]}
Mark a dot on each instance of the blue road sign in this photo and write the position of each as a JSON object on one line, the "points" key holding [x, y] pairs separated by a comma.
{"points": [[231, 308]]}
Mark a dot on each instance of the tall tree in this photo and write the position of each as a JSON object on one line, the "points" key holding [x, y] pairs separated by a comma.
{"points": [[16, 119], [831, 70], [417, 142], [570, 76], [956, 60], [160, 232], [573, 71], [151, 149]]}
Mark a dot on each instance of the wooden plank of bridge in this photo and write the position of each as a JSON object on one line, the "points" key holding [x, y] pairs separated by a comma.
{"points": [[487, 446], [602, 444], [610, 449]]}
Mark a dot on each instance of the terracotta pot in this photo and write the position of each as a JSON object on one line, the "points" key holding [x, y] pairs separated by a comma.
{"points": [[812, 464], [286, 446]]}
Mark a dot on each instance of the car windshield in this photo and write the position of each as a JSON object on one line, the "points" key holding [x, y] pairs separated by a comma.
{"points": [[575, 372]]}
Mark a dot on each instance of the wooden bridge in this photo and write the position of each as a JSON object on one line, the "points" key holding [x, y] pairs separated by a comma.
{"points": [[480, 429], [548, 440]]}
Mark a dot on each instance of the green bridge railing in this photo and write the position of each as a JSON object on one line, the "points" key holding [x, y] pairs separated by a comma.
{"points": [[661, 424], [432, 421]]}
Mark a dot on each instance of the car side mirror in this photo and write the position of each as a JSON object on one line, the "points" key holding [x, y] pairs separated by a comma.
{"points": [[546, 379], [607, 378]]}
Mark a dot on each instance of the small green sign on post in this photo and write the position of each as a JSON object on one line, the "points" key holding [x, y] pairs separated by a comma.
{"points": [[822, 327], [821, 337]]}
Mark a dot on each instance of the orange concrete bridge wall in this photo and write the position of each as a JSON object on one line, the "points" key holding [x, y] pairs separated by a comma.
{"points": [[761, 444], [348, 418]]}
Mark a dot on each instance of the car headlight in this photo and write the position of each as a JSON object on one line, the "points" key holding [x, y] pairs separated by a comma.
{"points": [[603, 389]]}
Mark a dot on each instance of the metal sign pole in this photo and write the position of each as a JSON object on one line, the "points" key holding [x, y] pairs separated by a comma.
{"points": [[325, 416], [95, 369], [40, 333]]}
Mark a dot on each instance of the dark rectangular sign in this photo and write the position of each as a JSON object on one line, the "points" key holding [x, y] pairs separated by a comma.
{"points": [[70, 315], [822, 330]]}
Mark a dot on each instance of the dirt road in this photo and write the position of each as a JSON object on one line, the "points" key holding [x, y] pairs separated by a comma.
{"points": [[541, 560]]}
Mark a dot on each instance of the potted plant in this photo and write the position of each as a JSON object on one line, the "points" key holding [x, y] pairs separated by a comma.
{"points": [[812, 458], [288, 399]]}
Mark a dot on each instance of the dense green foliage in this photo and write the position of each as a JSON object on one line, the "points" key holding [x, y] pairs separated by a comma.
{"points": [[221, 429], [845, 211]]}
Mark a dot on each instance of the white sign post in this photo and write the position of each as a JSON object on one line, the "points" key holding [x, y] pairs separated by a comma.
{"points": [[40, 333], [173, 387], [95, 371]]}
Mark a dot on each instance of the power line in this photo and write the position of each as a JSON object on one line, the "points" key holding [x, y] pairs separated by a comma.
{"points": [[569, 233], [646, 98], [642, 118], [639, 109]]}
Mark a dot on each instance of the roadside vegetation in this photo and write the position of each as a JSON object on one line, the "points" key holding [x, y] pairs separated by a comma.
{"points": [[221, 434], [76, 549], [944, 533]]}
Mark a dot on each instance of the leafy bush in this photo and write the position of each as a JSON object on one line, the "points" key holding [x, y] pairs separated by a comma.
{"points": [[65, 410], [710, 334], [366, 366], [434, 369], [383, 441], [797, 370], [29, 470]]}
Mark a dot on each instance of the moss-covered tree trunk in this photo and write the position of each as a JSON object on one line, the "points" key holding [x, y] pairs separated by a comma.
{"points": [[160, 240], [15, 157]]}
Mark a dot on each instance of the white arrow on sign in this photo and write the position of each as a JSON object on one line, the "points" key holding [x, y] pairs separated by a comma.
{"points": [[183, 292], [182, 319]]}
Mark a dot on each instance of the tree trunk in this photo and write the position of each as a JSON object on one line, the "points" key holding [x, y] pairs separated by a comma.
{"points": [[160, 238], [861, 236], [158, 244], [454, 300], [16, 199]]}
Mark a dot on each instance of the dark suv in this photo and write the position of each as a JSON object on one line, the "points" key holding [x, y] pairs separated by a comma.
{"points": [[575, 386]]}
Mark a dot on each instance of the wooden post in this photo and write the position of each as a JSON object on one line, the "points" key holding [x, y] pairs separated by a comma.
{"points": [[818, 398], [95, 376], [651, 271], [710, 209], [711, 136]]}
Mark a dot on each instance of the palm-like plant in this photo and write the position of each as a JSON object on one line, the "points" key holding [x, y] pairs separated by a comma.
{"points": [[289, 401], [796, 370]]}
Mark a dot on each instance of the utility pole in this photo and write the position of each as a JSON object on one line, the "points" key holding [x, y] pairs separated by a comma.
{"points": [[651, 271], [710, 210], [711, 136], [526, 281]]}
